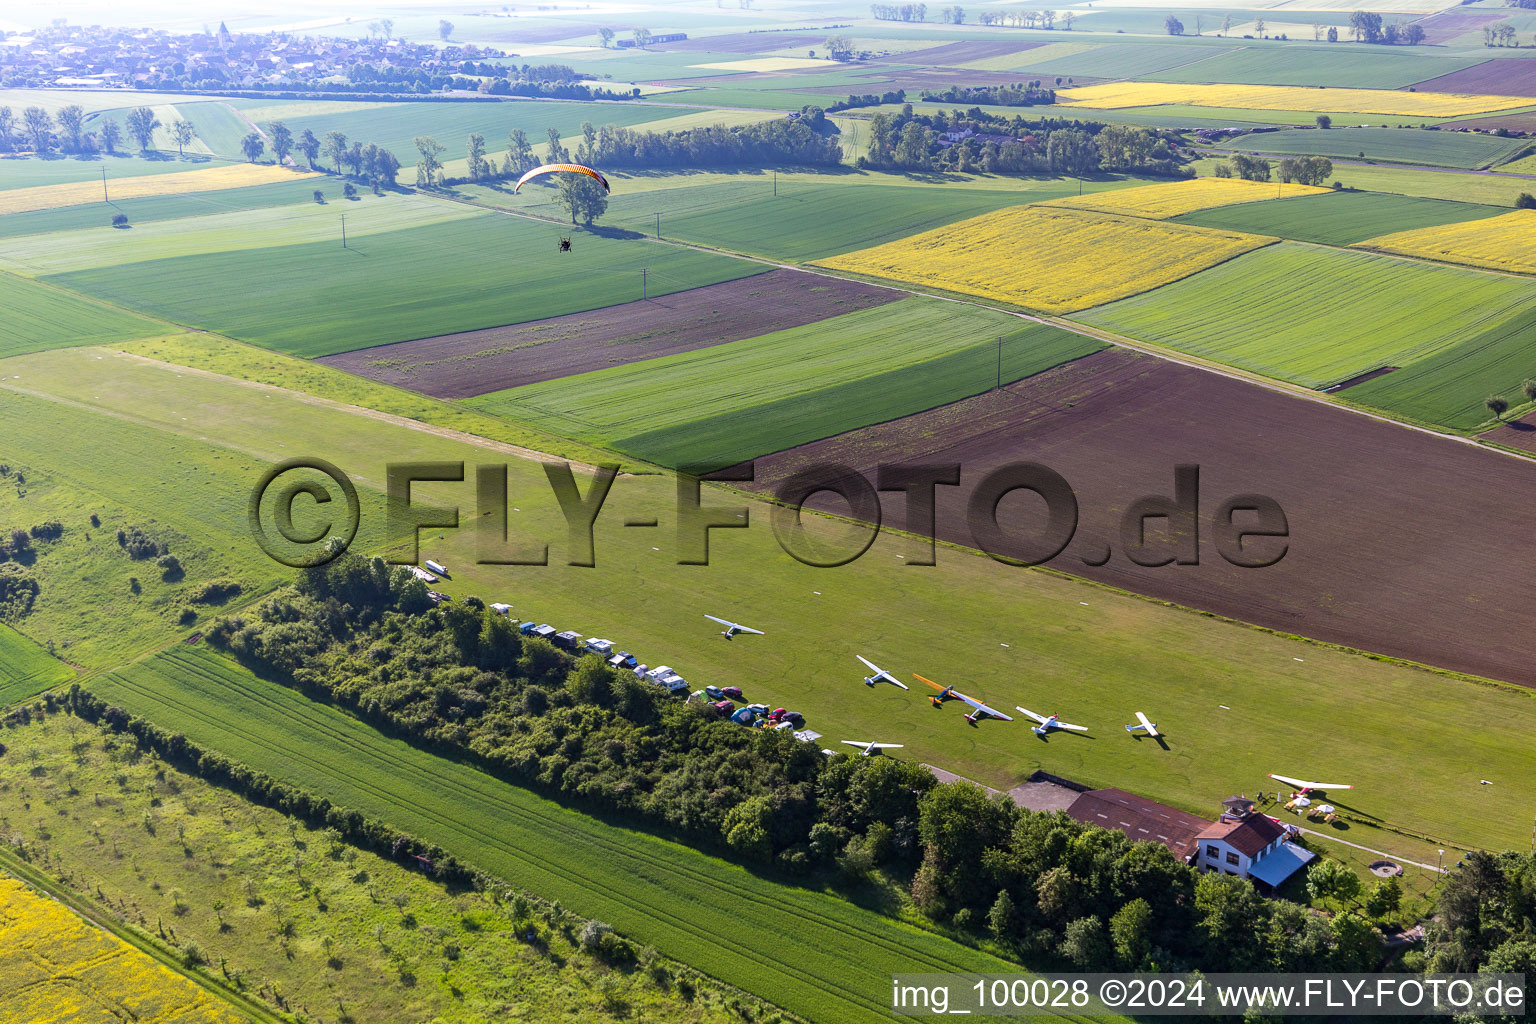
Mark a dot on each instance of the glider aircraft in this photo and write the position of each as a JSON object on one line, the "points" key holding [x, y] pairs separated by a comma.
{"points": [[1305, 787], [732, 628], [978, 709], [880, 674], [1049, 722], [1150, 728], [870, 748]]}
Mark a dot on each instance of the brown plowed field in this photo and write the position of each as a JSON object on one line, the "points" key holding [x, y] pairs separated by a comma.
{"points": [[477, 362], [1447, 25], [952, 54], [742, 42], [1401, 543], [1507, 76]]}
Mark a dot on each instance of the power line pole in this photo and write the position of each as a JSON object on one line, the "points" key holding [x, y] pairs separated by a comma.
{"points": [[658, 223], [775, 181], [104, 197], [343, 231], [644, 293], [999, 364]]}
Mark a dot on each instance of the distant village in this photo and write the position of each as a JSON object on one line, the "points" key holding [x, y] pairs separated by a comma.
{"points": [[219, 60]]}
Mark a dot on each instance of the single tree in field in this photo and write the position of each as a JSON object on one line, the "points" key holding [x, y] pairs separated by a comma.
{"points": [[1324, 121], [1414, 34], [1529, 390], [38, 124], [111, 134], [519, 153], [429, 165], [1226, 25], [141, 126], [582, 196], [182, 133], [642, 37], [7, 130], [1174, 26], [606, 35], [319, 197], [1333, 33], [282, 140], [1498, 405], [309, 146], [72, 127], [1332, 882], [335, 147], [1258, 26], [558, 154], [253, 146], [444, 29], [479, 167], [1525, 201], [1067, 17]]}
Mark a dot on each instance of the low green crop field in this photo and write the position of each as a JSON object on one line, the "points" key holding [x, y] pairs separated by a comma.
{"points": [[1120, 60], [157, 208], [1400, 145], [1454, 186], [30, 171], [1316, 316], [808, 218], [149, 843], [1327, 64], [218, 127], [395, 125], [1341, 218], [728, 403], [292, 224], [760, 99], [483, 271], [1448, 387], [809, 952], [26, 669], [39, 316]]}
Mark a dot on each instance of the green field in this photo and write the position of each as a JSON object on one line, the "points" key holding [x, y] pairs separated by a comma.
{"points": [[39, 316], [812, 953], [728, 403], [1448, 387], [218, 127], [1326, 64], [1121, 60], [810, 218], [28, 172], [1316, 316], [155, 208], [395, 126], [63, 252], [1456, 186], [320, 298], [351, 946], [946, 621], [26, 669], [1400, 145], [1342, 218], [762, 99]]}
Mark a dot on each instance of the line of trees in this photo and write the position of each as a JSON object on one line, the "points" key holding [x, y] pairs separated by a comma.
{"points": [[460, 679], [41, 133], [1028, 18], [368, 162], [1020, 94], [899, 12], [1304, 170]]}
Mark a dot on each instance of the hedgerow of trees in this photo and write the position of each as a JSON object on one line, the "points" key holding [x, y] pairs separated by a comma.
{"points": [[460, 678]]}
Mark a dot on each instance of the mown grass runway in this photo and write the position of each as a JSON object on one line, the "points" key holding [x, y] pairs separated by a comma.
{"points": [[812, 953]]}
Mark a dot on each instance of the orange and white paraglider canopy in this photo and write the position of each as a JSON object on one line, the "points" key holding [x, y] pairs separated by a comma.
{"points": [[553, 168]]}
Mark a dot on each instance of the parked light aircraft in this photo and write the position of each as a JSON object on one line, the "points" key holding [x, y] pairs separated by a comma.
{"points": [[880, 674], [1150, 728], [1049, 722], [1303, 786], [732, 628], [871, 748], [978, 709]]}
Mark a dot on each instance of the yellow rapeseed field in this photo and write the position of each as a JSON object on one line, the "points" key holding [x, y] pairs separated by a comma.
{"points": [[73, 193], [1505, 242], [1050, 259], [57, 968], [1115, 95], [1175, 198]]}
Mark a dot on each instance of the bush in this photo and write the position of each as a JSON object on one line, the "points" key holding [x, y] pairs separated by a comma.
{"points": [[170, 567], [18, 591], [349, 191], [51, 530], [119, 220], [1525, 201], [319, 197], [215, 591], [139, 544]]}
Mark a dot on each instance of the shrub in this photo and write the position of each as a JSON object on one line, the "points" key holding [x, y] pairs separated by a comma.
{"points": [[51, 530], [1525, 201], [215, 591], [170, 567], [349, 191], [119, 220], [18, 591], [139, 544], [319, 197]]}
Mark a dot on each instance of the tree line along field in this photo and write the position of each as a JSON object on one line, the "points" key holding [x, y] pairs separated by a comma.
{"points": [[724, 404], [1317, 316], [60, 965], [1397, 145], [951, 613], [809, 952], [229, 880], [318, 298], [1339, 218], [26, 669]]}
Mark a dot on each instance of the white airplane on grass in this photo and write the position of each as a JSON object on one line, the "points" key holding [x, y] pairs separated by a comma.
{"points": [[870, 748], [880, 674], [1150, 728], [978, 709], [732, 628], [1305, 787], [1049, 722]]}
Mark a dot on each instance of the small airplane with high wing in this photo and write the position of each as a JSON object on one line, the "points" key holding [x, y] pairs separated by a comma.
{"points": [[880, 674], [732, 628], [1150, 728], [1304, 787], [871, 749], [1049, 722], [978, 709]]}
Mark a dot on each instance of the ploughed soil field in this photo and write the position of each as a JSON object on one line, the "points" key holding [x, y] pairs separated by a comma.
{"points": [[1507, 76], [742, 42], [963, 52], [477, 362], [1447, 25], [1400, 542]]}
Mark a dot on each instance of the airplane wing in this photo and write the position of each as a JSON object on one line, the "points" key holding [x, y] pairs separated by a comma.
{"points": [[749, 629], [1074, 728], [1031, 714], [1303, 784], [876, 669], [1151, 729], [931, 683], [979, 706], [857, 743], [889, 746], [894, 681], [722, 622]]}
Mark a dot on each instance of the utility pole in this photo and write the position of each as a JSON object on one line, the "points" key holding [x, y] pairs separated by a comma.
{"points": [[775, 181], [658, 223], [999, 364], [104, 186], [644, 293], [343, 231]]}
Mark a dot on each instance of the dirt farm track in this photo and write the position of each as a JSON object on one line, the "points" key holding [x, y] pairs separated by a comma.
{"points": [[1401, 543]]}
